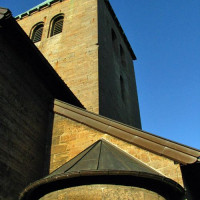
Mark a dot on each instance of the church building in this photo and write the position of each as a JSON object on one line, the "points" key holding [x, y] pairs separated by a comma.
{"points": [[70, 122]]}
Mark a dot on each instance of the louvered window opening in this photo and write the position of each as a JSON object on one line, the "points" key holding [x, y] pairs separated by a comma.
{"points": [[37, 34], [57, 26]]}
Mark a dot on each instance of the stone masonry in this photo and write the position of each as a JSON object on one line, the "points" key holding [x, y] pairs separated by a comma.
{"points": [[103, 192], [74, 52], [24, 121], [70, 138], [98, 70]]}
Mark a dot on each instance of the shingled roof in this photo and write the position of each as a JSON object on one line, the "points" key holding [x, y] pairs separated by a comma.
{"points": [[103, 163], [161, 146]]}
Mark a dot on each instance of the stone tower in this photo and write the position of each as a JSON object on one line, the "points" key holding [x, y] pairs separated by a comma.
{"points": [[90, 52], [44, 128]]}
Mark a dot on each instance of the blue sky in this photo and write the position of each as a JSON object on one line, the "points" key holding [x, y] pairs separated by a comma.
{"points": [[165, 36]]}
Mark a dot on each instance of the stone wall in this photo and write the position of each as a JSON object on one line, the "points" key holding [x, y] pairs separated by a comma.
{"points": [[24, 120], [74, 52], [83, 55], [117, 86], [71, 137], [103, 192]]}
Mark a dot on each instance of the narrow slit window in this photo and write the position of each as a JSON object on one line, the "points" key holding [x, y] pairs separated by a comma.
{"points": [[37, 33], [57, 25], [122, 88], [114, 41], [122, 55]]}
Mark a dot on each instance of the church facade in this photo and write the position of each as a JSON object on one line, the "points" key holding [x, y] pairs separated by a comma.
{"points": [[70, 120]]}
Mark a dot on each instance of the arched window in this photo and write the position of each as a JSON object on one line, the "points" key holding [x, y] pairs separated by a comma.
{"points": [[36, 32], [56, 25]]}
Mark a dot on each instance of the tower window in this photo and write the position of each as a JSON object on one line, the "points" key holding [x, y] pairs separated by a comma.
{"points": [[36, 32], [122, 88], [57, 25], [122, 55], [114, 41]]}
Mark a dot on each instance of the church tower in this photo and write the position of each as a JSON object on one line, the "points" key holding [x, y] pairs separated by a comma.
{"points": [[85, 44], [50, 147]]}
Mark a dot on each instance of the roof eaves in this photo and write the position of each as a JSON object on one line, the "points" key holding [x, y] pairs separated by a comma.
{"points": [[163, 185], [46, 3], [175, 151], [5, 13]]}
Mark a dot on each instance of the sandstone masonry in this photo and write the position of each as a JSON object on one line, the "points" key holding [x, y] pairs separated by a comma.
{"points": [[92, 56]]}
